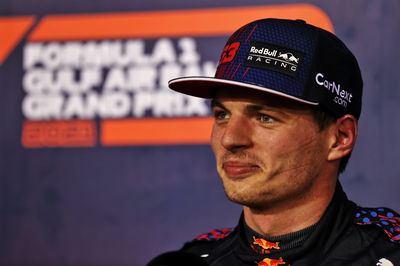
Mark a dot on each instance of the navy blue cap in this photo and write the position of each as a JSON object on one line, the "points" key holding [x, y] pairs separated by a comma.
{"points": [[289, 58]]}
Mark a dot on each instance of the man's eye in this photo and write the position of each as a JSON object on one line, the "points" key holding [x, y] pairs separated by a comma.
{"points": [[220, 115], [265, 118]]}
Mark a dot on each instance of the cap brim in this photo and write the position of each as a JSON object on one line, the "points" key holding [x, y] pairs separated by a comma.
{"points": [[205, 87]]}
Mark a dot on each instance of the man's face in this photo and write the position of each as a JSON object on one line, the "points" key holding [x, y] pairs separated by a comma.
{"points": [[269, 150]]}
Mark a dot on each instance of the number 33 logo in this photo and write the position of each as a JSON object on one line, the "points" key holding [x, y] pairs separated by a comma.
{"points": [[229, 52]]}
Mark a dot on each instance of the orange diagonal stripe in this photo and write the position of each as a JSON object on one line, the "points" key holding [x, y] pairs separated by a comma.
{"points": [[11, 31], [156, 131], [199, 22]]}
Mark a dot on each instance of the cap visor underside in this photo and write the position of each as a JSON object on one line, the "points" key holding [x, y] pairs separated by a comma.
{"points": [[205, 87]]}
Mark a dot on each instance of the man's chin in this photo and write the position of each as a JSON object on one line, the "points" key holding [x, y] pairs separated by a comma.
{"points": [[251, 204], [241, 198], [251, 200]]}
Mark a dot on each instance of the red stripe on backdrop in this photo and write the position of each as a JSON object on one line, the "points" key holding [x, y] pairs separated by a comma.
{"points": [[156, 131], [12, 30], [199, 22]]}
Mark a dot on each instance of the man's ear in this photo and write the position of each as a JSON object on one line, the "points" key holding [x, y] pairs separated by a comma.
{"points": [[344, 135]]}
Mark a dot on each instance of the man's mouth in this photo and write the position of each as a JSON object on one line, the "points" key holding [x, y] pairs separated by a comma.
{"points": [[238, 169]]}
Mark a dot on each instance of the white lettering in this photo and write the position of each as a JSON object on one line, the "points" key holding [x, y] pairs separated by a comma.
{"points": [[333, 87], [166, 103], [42, 107], [340, 101], [263, 51], [32, 53], [189, 54], [319, 75], [110, 79], [163, 52]]}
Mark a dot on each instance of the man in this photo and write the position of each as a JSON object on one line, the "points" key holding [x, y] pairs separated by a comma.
{"points": [[286, 99]]}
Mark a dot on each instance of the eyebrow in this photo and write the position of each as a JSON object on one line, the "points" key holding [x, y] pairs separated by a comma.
{"points": [[215, 103], [261, 107], [252, 107]]}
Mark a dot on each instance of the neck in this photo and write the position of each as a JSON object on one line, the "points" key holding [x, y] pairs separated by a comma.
{"points": [[291, 216]]}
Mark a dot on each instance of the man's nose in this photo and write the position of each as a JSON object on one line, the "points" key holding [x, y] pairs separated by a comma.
{"points": [[237, 133]]}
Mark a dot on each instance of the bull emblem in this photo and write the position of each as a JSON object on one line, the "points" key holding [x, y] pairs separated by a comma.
{"points": [[289, 57]]}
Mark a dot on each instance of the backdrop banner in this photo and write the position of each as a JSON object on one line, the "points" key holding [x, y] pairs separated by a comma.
{"points": [[101, 164]]}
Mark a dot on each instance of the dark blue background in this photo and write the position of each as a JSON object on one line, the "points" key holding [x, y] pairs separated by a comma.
{"points": [[123, 205]]}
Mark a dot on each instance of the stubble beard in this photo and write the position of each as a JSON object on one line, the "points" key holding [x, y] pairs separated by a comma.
{"points": [[259, 199], [248, 193], [232, 190]]}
